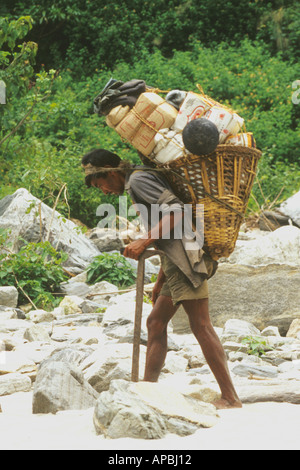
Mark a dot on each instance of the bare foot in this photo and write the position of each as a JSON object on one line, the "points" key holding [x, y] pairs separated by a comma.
{"points": [[224, 404]]}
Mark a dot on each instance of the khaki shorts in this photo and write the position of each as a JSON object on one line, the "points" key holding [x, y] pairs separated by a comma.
{"points": [[178, 286]]}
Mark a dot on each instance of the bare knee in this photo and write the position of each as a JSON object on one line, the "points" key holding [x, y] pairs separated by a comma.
{"points": [[156, 326], [160, 316]]}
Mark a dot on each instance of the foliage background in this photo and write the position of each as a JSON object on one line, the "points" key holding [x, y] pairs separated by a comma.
{"points": [[56, 56]]}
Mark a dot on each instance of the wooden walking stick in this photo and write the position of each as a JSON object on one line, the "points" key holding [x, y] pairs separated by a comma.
{"points": [[139, 312]]}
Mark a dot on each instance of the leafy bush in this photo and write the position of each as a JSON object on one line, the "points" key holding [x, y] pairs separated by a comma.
{"points": [[257, 346], [84, 36], [113, 268], [36, 271]]}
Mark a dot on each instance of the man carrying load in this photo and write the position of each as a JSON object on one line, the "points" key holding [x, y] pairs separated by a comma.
{"points": [[184, 272]]}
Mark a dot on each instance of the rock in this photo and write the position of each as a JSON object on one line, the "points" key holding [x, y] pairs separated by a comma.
{"points": [[71, 305], [13, 383], [36, 333], [124, 332], [88, 306], [245, 369], [150, 269], [149, 411], [192, 386], [16, 361], [106, 239], [279, 247], [35, 351], [40, 316], [74, 288], [71, 355], [262, 295], [232, 346], [291, 208], [9, 296], [61, 386], [271, 220], [124, 311], [110, 362], [102, 292], [79, 319], [119, 413], [9, 312], [29, 218], [271, 331], [239, 329], [287, 392], [175, 363], [294, 328]]}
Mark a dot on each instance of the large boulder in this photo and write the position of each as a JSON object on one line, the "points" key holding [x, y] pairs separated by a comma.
{"points": [[259, 283], [291, 208], [149, 411], [262, 248], [262, 295], [61, 386], [29, 218]]}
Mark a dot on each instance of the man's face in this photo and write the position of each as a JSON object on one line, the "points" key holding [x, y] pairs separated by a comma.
{"points": [[112, 184]]}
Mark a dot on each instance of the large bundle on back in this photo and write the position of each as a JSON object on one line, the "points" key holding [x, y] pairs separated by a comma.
{"points": [[208, 156]]}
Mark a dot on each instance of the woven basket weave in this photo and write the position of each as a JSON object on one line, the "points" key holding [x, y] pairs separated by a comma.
{"points": [[222, 182]]}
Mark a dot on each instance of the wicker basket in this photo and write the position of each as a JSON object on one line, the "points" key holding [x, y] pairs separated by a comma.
{"points": [[222, 182]]}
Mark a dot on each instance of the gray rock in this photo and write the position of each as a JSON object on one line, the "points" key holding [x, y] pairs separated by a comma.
{"points": [[36, 333], [294, 329], [40, 316], [9, 296], [13, 383], [245, 369], [271, 331], [9, 312], [279, 247], [80, 319], [61, 386], [71, 355], [111, 361], [149, 411], [119, 414], [291, 208], [16, 361], [287, 392], [106, 239], [74, 288], [262, 295], [239, 329], [29, 218], [102, 292]]}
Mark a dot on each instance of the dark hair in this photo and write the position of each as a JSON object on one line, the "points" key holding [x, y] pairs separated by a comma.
{"points": [[100, 158]]}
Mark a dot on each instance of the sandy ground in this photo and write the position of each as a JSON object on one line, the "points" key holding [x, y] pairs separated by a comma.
{"points": [[260, 426]]}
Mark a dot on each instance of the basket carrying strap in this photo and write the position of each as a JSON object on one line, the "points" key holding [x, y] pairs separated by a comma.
{"points": [[184, 180]]}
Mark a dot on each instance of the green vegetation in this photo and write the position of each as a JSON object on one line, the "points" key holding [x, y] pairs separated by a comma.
{"points": [[55, 57], [35, 271], [257, 346], [113, 268]]}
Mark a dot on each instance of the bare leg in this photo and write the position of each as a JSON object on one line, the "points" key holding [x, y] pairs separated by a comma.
{"points": [[198, 313], [157, 346]]}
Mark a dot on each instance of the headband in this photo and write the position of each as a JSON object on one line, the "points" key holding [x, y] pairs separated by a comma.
{"points": [[90, 169]]}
